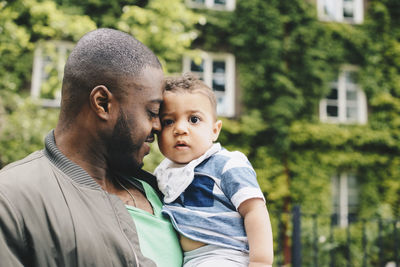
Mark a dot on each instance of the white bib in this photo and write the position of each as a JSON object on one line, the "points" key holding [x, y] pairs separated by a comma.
{"points": [[173, 178]]}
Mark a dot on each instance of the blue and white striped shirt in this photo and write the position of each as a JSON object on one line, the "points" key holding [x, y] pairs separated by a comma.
{"points": [[207, 210]]}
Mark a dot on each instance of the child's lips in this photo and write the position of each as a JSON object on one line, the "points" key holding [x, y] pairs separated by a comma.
{"points": [[181, 145]]}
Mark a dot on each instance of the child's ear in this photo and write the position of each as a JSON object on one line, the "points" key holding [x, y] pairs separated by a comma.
{"points": [[216, 130]]}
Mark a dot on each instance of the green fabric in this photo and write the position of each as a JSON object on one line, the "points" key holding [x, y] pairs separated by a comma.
{"points": [[158, 239]]}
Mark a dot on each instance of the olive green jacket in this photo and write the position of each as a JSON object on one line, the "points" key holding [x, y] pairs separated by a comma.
{"points": [[52, 213]]}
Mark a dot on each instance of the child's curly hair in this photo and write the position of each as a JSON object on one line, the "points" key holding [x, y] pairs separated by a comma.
{"points": [[189, 83]]}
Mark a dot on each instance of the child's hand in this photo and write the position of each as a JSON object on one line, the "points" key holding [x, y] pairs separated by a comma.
{"points": [[259, 232], [259, 264]]}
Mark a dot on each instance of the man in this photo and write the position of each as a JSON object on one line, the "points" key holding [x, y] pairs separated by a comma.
{"points": [[64, 205]]}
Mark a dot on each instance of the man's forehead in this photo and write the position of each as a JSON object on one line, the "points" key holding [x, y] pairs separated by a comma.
{"points": [[150, 81]]}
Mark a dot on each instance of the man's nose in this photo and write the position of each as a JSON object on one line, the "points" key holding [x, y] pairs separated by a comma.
{"points": [[156, 124]]}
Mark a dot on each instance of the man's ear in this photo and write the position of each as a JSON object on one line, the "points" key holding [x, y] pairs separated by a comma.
{"points": [[101, 101], [216, 130]]}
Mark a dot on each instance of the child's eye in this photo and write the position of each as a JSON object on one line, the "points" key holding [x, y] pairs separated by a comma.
{"points": [[194, 119], [167, 122]]}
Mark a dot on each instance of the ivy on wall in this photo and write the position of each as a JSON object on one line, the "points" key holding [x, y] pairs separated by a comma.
{"points": [[286, 59]]}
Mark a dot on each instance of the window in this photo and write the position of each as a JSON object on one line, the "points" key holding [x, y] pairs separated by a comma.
{"points": [[227, 5], [218, 72], [346, 102], [48, 70], [350, 11], [345, 198]]}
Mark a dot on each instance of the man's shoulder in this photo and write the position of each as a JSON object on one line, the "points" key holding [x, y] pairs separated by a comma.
{"points": [[27, 180], [26, 171], [22, 164]]}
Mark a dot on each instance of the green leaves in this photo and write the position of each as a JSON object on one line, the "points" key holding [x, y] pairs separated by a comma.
{"points": [[14, 44], [23, 130], [166, 27]]}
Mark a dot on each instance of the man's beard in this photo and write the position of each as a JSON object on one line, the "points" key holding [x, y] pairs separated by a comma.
{"points": [[120, 149]]}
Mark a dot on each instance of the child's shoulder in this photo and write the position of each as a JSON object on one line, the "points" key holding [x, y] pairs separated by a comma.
{"points": [[223, 159], [229, 155]]}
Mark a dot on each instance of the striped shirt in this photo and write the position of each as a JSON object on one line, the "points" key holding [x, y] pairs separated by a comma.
{"points": [[207, 210]]}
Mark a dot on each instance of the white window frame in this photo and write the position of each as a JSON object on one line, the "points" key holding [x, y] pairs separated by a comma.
{"points": [[38, 72], [343, 103], [207, 75], [337, 8], [343, 192], [210, 4]]}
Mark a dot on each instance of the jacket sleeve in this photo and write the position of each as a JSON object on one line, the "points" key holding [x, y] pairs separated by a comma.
{"points": [[11, 234]]}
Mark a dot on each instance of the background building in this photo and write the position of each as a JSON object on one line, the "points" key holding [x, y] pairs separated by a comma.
{"points": [[309, 90]]}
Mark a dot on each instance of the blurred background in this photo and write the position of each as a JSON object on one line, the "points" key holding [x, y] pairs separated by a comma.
{"points": [[307, 89]]}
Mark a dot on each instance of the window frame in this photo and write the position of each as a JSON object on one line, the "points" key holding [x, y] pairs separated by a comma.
{"points": [[342, 190], [338, 10], [210, 4], [38, 70], [343, 103], [207, 75]]}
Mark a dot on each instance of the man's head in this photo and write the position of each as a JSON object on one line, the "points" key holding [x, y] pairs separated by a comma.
{"points": [[112, 89], [102, 57], [188, 118]]}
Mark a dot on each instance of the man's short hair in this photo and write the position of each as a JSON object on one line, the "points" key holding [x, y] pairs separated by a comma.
{"points": [[102, 57], [189, 83]]}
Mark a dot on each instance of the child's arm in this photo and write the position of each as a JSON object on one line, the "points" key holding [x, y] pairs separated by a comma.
{"points": [[259, 232]]}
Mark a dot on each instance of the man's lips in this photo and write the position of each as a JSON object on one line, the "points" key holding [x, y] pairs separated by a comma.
{"points": [[147, 149], [146, 145], [150, 139]]}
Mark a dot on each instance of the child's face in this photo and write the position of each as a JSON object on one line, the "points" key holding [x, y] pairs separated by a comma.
{"points": [[188, 126]]}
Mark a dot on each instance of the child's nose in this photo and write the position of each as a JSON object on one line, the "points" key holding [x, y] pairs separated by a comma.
{"points": [[180, 127]]}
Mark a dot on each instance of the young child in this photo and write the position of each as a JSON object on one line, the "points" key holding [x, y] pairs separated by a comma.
{"points": [[210, 194]]}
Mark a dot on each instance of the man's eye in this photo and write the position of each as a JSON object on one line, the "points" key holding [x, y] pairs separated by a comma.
{"points": [[167, 122], [194, 119], [153, 114]]}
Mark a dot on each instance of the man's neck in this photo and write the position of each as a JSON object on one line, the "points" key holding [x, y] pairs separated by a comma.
{"points": [[81, 149]]}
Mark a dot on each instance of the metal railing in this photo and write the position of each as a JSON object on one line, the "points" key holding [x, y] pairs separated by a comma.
{"points": [[317, 240]]}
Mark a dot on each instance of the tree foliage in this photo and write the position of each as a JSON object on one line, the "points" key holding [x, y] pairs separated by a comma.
{"points": [[166, 27], [286, 60]]}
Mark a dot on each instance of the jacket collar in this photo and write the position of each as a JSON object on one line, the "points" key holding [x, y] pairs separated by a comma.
{"points": [[74, 171], [79, 175]]}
